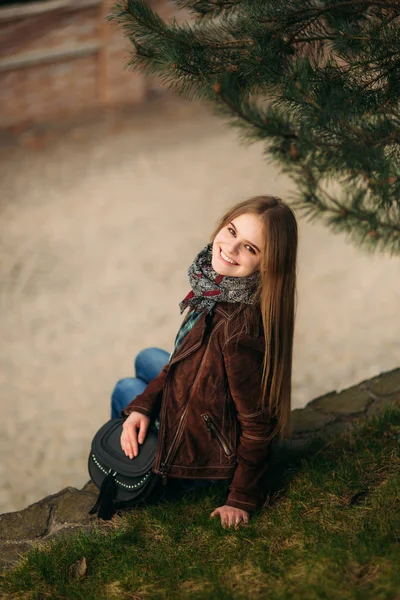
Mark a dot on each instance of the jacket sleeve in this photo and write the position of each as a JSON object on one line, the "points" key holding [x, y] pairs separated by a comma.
{"points": [[148, 402], [243, 359]]}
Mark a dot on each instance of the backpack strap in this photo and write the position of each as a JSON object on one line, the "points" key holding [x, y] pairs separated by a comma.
{"points": [[105, 500]]}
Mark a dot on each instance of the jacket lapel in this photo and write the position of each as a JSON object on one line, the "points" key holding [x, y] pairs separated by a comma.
{"points": [[187, 346], [225, 310]]}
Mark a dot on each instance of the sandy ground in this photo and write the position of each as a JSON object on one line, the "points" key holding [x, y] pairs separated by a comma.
{"points": [[98, 230]]}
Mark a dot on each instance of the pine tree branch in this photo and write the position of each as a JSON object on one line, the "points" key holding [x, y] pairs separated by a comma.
{"points": [[232, 44], [334, 118], [199, 6], [306, 13], [327, 37], [345, 210], [245, 117]]}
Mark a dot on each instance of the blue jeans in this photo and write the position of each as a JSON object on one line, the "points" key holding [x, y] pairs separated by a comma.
{"points": [[148, 364]]}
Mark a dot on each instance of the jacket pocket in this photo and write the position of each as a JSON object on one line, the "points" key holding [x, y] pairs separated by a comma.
{"points": [[216, 432]]}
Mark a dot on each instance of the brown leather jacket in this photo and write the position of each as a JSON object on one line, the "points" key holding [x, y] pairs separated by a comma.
{"points": [[211, 423]]}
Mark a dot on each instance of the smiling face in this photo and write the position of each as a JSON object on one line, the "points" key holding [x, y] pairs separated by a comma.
{"points": [[241, 240]]}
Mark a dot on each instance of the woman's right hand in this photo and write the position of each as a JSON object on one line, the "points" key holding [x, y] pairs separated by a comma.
{"points": [[129, 437]]}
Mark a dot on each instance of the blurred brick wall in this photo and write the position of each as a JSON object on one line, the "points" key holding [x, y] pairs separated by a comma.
{"points": [[59, 58]]}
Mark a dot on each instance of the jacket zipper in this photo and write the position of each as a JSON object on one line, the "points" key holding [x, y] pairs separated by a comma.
{"points": [[213, 429], [164, 465]]}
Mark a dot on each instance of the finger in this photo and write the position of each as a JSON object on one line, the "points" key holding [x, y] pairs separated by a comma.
{"points": [[128, 445], [142, 431], [226, 520], [234, 520], [123, 443], [133, 440], [131, 452], [128, 448]]}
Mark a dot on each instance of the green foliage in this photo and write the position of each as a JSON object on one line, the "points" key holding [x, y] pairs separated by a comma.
{"points": [[317, 81], [330, 530]]}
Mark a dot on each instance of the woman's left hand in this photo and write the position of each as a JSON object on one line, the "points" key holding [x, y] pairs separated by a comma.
{"points": [[231, 516]]}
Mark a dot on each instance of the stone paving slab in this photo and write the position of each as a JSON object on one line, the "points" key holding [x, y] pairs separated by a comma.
{"points": [[353, 400], [387, 385], [58, 514], [305, 420]]}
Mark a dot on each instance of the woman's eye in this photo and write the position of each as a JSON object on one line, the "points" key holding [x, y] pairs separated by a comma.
{"points": [[251, 249]]}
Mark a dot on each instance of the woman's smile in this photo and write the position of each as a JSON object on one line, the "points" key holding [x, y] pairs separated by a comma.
{"points": [[222, 254]]}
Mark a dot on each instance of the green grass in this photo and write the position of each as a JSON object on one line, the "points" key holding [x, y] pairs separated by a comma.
{"points": [[331, 530]]}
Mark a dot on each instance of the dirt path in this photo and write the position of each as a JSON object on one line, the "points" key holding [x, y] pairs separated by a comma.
{"points": [[98, 229]]}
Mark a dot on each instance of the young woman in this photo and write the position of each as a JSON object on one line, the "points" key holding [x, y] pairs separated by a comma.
{"points": [[225, 391]]}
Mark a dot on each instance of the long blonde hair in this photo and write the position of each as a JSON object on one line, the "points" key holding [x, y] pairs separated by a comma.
{"points": [[274, 301]]}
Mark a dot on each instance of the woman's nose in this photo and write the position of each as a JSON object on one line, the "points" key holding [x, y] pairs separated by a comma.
{"points": [[234, 250]]}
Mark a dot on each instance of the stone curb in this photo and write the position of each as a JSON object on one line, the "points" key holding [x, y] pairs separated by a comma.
{"points": [[337, 412]]}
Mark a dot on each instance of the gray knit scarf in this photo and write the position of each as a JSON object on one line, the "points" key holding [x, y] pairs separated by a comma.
{"points": [[209, 287]]}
